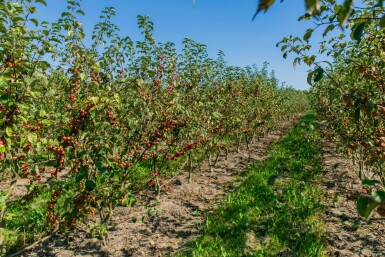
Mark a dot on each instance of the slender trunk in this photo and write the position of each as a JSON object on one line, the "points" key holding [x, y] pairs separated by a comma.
{"points": [[190, 167], [238, 145], [211, 164], [216, 158], [110, 212], [252, 138], [361, 168], [157, 182]]}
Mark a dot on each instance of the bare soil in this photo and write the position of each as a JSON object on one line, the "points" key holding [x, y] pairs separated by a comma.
{"points": [[165, 226], [348, 233]]}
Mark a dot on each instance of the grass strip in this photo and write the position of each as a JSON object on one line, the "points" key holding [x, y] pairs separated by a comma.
{"points": [[276, 209]]}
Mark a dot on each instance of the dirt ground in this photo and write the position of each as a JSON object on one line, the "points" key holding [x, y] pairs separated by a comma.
{"points": [[348, 233], [170, 224]]}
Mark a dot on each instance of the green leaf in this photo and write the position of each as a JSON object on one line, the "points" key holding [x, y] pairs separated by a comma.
{"points": [[357, 113], [307, 35], [382, 21], [42, 2], [345, 11], [101, 166], [329, 28], [9, 131], [379, 3], [32, 138], [366, 205], [67, 205], [35, 21], [132, 202], [82, 174], [328, 63], [370, 182], [90, 185], [370, 106], [3, 82], [217, 115], [9, 143], [23, 118], [42, 113], [310, 78], [379, 196], [271, 180], [319, 74], [359, 31]]}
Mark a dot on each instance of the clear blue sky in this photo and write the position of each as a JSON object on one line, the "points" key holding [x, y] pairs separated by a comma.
{"points": [[220, 24]]}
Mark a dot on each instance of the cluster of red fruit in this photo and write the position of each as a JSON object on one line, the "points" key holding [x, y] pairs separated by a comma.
{"points": [[96, 77], [113, 120], [83, 117], [10, 113], [154, 174], [120, 72], [32, 128], [380, 144], [26, 170], [157, 83], [83, 205], [169, 125], [183, 151], [52, 217], [73, 87], [122, 163], [159, 72], [27, 147], [82, 199], [125, 164], [121, 199], [60, 154], [9, 62]]}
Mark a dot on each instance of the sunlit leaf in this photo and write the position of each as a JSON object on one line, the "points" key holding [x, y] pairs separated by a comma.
{"points": [[345, 11], [366, 205]]}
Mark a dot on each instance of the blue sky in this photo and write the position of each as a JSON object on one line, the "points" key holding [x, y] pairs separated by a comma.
{"points": [[220, 24]]}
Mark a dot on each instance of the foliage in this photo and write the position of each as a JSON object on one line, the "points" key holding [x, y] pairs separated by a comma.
{"points": [[87, 125], [340, 13], [349, 91]]}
